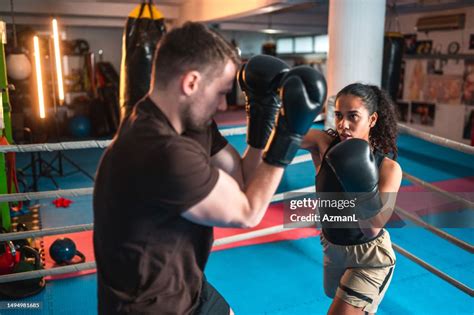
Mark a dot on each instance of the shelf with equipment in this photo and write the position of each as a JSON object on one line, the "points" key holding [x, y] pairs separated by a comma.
{"points": [[79, 76], [450, 121]]}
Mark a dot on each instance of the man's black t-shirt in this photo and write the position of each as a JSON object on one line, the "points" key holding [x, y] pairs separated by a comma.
{"points": [[150, 260]]}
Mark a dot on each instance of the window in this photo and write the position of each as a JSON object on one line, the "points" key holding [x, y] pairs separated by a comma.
{"points": [[321, 44], [304, 44], [284, 46]]}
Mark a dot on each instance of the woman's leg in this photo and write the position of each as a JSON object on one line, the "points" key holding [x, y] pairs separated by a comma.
{"points": [[361, 290], [340, 307], [332, 275], [333, 262]]}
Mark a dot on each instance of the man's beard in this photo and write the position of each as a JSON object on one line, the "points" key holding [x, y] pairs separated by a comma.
{"points": [[192, 123]]}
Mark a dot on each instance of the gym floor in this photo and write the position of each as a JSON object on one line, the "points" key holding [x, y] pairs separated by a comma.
{"points": [[282, 273]]}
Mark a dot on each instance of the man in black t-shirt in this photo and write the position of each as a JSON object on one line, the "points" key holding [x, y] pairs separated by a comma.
{"points": [[169, 176]]}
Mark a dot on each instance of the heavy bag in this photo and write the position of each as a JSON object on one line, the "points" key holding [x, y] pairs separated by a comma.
{"points": [[392, 62], [144, 28]]}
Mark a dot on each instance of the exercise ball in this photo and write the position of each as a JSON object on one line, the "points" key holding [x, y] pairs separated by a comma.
{"points": [[80, 126], [62, 250], [18, 66]]}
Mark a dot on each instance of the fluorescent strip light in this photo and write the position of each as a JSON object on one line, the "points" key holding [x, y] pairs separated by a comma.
{"points": [[39, 77], [57, 58]]}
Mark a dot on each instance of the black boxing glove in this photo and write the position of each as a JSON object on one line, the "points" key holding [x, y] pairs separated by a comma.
{"points": [[356, 170], [302, 92], [259, 80]]}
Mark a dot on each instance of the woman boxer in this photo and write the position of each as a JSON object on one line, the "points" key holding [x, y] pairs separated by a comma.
{"points": [[358, 157]]}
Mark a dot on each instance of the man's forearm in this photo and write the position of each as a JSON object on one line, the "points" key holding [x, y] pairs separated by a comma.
{"points": [[249, 162], [260, 189]]}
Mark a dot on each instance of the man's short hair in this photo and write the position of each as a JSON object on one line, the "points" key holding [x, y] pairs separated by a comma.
{"points": [[191, 47]]}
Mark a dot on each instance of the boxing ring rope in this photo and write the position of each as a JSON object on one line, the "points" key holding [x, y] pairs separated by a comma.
{"points": [[47, 194], [59, 146], [258, 233], [90, 144], [461, 286], [436, 139], [416, 219], [47, 272], [433, 188], [236, 131], [45, 232], [94, 144]]}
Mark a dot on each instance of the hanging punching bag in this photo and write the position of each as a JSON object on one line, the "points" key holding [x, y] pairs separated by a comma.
{"points": [[392, 61], [144, 28]]}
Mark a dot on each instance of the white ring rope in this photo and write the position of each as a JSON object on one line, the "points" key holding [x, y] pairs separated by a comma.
{"points": [[47, 194], [73, 145], [59, 146], [46, 232], [93, 144], [47, 272], [237, 131], [436, 139], [436, 189], [458, 284], [258, 233], [441, 233]]}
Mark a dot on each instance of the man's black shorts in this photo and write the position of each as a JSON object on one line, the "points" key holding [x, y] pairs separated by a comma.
{"points": [[211, 301]]}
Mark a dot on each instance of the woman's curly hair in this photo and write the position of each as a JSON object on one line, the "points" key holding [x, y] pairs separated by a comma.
{"points": [[383, 136]]}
